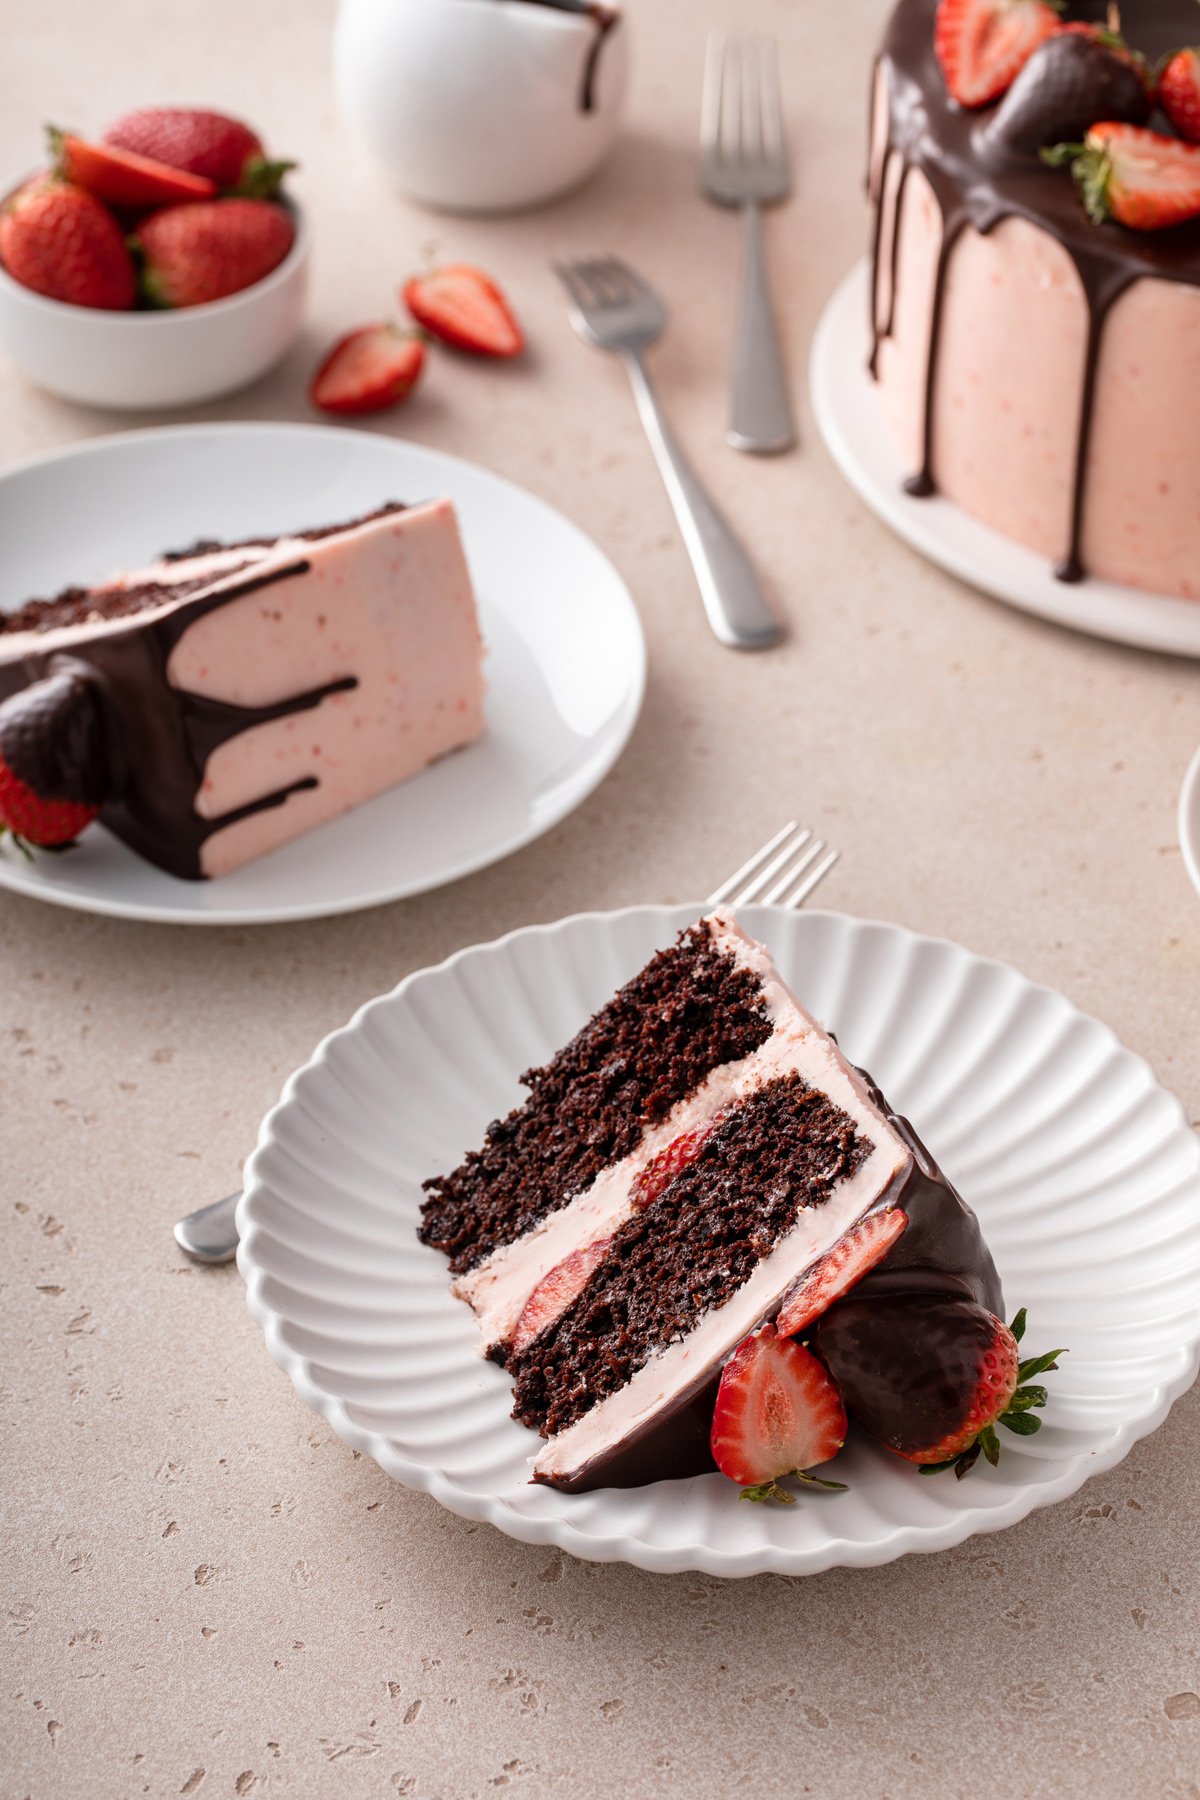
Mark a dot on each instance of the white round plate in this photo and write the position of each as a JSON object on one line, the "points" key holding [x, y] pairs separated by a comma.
{"points": [[1082, 1169], [1189, 820], [848, 414], [566, 657]]}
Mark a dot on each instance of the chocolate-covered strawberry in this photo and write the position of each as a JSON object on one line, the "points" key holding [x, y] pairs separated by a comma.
{"points": [[54, 770], [1071, 81], [932, 1378]]}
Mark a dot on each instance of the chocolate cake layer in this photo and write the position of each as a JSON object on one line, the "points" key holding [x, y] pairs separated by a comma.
{"points": [[782, 1150], [690, 1010]]}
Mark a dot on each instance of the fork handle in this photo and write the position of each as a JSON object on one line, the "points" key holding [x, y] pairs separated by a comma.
{"points": [[738, 609], [760, 418]]}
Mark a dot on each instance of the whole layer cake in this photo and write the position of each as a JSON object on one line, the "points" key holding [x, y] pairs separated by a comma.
{"points": [[1035, 366], [699, 1160], [227, 698]]}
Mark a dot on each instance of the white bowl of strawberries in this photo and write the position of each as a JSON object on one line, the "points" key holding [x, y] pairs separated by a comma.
{"points": [[156, 267]]}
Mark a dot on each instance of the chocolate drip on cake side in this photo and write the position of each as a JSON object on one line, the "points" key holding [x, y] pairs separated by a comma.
{"points": [[928, 130], [159, 737], [603, 20]]}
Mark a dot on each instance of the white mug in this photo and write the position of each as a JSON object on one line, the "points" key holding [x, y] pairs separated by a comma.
{"points": [[482, 105]]}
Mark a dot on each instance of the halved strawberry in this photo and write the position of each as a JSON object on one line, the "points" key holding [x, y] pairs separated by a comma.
{"points": [[864, 1245], [983, 44], [778, 1413], [555, 1292], [464, 308], [120, 177], [1179, 93], [368, 370], [662, 1169], [1140, 178]]}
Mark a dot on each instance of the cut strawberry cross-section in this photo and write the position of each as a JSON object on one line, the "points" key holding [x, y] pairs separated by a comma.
{"points": [[662, 1169], [778, 1413], [555, 1292], [465, 309], [983, 45], [863, 1246], [1143, 179]]}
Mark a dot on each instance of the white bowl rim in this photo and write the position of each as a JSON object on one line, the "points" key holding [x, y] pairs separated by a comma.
{"points": [[164, 317], [549, 18]]}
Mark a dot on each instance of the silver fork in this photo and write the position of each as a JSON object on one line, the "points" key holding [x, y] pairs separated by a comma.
{"points": [[781, 873], [613, 308], [210, 1235], [744, 164]]}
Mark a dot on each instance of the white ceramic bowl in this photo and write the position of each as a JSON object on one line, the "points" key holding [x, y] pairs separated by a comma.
{"points": [[472, 106], [150, 359]]}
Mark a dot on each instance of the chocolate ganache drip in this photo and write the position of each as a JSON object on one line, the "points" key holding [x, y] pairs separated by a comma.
{"points": [[102, 721], [975, 183], [603, 19]]}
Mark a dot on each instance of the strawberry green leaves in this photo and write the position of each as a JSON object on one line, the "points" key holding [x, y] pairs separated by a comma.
{"points": [[1019, 1416], [771, 1490]]}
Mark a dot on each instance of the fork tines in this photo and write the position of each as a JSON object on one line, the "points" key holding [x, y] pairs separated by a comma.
{"points": [[595, 281], [786, 859], [741, 125]]}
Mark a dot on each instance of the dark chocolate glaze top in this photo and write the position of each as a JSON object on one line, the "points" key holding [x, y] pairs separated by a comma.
{"points": [[973, 186]]}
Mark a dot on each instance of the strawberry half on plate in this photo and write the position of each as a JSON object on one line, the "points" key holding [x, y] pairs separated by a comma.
{"points": [[778, 1414]]}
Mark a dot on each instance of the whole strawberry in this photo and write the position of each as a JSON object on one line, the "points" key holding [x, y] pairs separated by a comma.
{"points": [[61, 241], [932, 1378], [1179, 93], [210, 249], [221, 149]]}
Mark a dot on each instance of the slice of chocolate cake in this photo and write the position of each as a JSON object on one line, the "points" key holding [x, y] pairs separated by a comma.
{"points": [[229, 697], [694, 1160]]}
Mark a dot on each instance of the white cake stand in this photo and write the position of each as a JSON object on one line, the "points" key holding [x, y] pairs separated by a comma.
{"points": [[847, 411]]}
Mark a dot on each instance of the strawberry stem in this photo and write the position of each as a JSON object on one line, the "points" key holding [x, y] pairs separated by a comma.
{"points": [[762, 1491]]}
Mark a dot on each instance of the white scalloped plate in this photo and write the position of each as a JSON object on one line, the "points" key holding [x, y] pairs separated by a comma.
{"points": [[846, 405], [1189, 820], [1082, 1168]]}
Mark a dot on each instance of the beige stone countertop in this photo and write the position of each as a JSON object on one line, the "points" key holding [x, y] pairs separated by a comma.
{"points": [[205, 1592]]}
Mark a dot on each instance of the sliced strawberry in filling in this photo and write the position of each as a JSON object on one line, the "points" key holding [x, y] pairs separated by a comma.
{"points": [[835, 1273], [555, 1291], [662, 1169]]}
